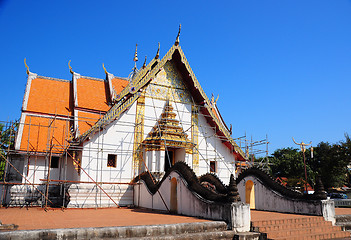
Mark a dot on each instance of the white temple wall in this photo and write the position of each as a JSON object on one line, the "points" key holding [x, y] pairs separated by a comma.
{"points": [[117, 138], [38, 169], [71, 173], [211, 148]]}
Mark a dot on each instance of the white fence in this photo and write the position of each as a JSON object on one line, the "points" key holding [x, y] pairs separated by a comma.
{"points": [[342, 202]]}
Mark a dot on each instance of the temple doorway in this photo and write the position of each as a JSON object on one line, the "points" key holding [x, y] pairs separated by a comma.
{"points": [[250, 193], [174, 200]]}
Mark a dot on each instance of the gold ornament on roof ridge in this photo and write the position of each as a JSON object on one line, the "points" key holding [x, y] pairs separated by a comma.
{"points": [[177, 39], [103, 66], [136, 53], [213, 101], [25, 63], [158, 52], [70, 68], [144, 64]]}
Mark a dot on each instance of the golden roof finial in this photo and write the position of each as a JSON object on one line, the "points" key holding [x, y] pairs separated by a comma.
{"points": [[158, 52], [70, 68], [144, 64], [216, 99], [103, 66], [177, 39], [136, 53], [25, 63]]}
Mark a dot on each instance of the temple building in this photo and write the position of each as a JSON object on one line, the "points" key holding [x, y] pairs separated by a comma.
{"points": [[87, 138]]}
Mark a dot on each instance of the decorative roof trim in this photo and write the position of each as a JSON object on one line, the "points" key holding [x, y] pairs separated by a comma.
{"points": [[31, 77], [54, 79], [20, 131], [93, 78], [48, 115]]}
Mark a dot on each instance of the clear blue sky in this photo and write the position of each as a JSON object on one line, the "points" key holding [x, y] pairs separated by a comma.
{"points": [[281, 68]]}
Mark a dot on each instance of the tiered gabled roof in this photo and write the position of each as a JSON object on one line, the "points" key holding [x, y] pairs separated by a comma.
{"points": [[132, 92], [82, 106], [50, 106]]}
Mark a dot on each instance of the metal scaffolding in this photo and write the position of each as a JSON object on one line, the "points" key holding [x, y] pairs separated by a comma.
{"points": [[66, 152]]}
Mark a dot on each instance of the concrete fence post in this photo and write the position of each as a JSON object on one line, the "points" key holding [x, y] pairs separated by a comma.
{"points": [[240, 217], [328, 210]]}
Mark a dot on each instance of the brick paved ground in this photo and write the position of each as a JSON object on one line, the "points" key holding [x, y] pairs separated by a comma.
{"points": [[37, 218]]}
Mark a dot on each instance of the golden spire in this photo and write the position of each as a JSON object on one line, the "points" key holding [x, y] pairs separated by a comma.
{"points": [[25, 63], [103, 66], [136, 53], [144, 65], [135, 57], [177, 39], [158, 52], [70, 68]]}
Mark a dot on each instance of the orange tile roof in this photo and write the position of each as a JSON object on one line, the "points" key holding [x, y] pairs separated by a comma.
{"points": [[86, 120], [49, 96], [91, 94], [37, 131], [119, 84]]}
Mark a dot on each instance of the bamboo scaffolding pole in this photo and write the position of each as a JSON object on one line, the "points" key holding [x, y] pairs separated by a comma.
{"points": [[50, 156], [69, 181], [61, 148], [4, 189], [24, 177], [90, 177]]}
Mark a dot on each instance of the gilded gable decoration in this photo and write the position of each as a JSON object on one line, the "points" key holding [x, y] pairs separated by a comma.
{"points": [[169, 82], [167, 133]]}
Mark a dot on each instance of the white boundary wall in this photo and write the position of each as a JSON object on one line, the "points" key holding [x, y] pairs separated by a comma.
{"points": [[237, 215]]}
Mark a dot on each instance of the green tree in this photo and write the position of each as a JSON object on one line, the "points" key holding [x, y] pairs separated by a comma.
{"points": [[330, 161], [7, 140], [288, 162]]}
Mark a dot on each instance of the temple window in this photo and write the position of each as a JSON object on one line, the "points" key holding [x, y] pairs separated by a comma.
{"points": [[213, 166], [54, 162], [112, 160]]}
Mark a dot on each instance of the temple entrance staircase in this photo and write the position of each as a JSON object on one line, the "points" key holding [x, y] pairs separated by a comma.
{"points": [[281, 226]]}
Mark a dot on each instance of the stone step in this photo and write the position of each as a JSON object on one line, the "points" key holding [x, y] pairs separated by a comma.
{"points": [[346, 226], [225, 235], [343, 218], [281, 227], [312, 227], [289, 221], [302, 232], [343, 221], [331, 235], [203, 230]]}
